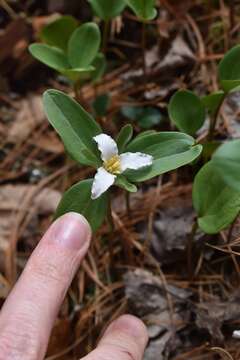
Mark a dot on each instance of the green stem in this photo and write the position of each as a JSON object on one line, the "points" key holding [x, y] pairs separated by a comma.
{"points": [[144, 42], [105, 36], [111, 230], [190, 249], [76, 87], [213, 121]]}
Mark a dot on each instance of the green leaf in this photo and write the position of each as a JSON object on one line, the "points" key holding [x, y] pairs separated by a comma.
{"points": [[123, 183], [78, 199], [226, 160], [146, 117], [217, 204], [229, 70], [100, 65], [74, 125], [124, 137], [144, 9], [58, 32], [146, 132], [186, 111], [213, 101], [83, 45], [170, 150], [101, 104], [79, 74], [150, 117], [107, 9], [131, 112], [50, 56]]}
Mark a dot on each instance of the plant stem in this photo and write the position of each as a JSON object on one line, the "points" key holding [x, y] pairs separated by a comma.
{"points": [[79, 96], [105, 36], [76, 87], [111, 230], [144, 42], [213, 121], [190, 248]]}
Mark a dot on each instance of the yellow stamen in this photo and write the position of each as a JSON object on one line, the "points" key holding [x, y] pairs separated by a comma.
{"points": [[113, 165]]}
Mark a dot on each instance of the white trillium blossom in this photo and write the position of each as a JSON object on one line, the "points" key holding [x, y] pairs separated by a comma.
{"points": [[114, 164]]}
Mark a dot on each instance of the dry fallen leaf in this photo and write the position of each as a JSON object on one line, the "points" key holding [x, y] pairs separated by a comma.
{"points": [[27, 119]]}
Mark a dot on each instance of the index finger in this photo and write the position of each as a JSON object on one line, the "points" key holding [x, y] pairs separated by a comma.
{"points": [[29, 312]]}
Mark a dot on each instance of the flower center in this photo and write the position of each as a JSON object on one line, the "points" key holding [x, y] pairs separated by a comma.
{"points": [[113, 165]]}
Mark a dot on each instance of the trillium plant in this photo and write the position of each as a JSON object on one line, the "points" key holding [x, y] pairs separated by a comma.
{"points": [[124, 162], [114, 164]]}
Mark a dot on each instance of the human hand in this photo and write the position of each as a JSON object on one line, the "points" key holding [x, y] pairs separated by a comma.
{"points": [[30, 310]]}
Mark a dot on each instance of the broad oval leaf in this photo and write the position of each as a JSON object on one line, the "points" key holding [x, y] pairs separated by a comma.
{"points": [[107, 9], [50, 56], [229, 70], [144, 9], [217, 205], [213, 101], [170, 150], [83, 45], [74, 125], [186, 111], [124, 136], [58, 32], [226, 160], [78, 199]]}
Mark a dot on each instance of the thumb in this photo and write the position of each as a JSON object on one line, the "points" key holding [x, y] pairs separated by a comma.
{"points": [[125, 339]]}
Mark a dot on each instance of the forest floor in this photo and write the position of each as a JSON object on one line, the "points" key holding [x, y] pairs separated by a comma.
{"points": [[189, 301]]}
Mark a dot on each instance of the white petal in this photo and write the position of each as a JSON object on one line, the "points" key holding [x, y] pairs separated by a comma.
{"points": [[236, 334], [135, 161], [102, 181], [106, 146]]}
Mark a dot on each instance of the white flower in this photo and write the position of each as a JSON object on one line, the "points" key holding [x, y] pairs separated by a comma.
{"points": [[114, 164]]}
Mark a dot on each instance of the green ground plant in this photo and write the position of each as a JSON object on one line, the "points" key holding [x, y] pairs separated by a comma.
{"points": [[73, 51], [216, 187]]}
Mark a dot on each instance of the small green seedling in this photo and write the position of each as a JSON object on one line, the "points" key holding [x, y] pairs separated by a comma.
{"points": [[107, 9], [187, 111], [122, 162], [71, 50], [144, 9], [216, 189]]}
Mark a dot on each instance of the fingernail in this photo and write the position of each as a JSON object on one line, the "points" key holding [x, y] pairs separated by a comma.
{"points": [[71, 230]]}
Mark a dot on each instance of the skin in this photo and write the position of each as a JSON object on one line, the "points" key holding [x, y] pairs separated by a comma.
{"points": [[28, 314]]}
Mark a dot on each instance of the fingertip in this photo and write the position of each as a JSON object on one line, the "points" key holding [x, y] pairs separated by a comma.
{"points": [[71, 230], [132, 326]]}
